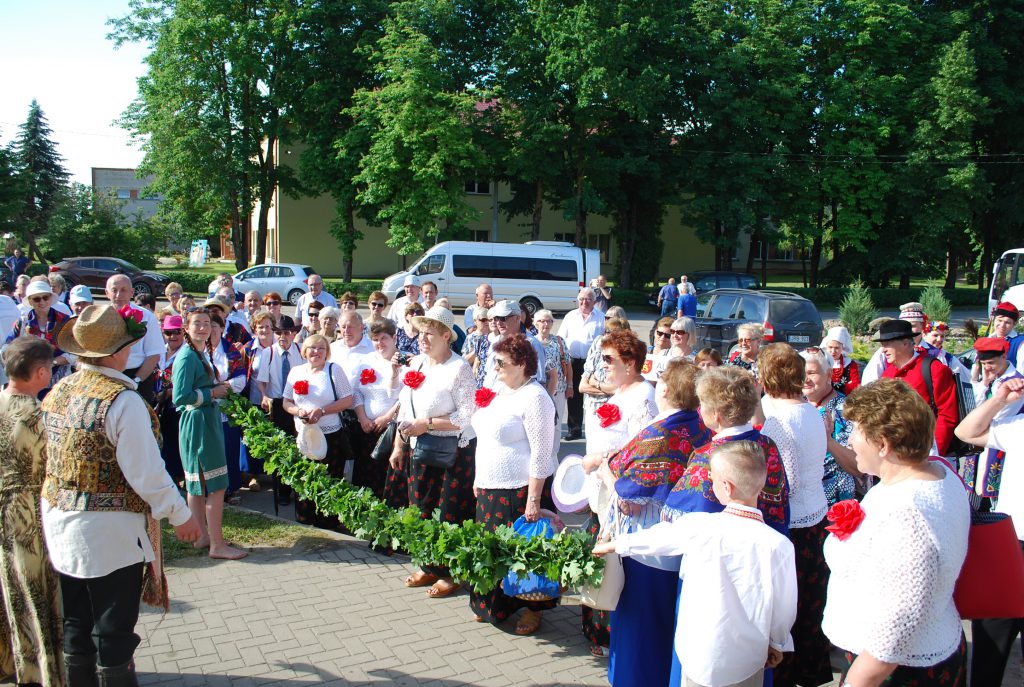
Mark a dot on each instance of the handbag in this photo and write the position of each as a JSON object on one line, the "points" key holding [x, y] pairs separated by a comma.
{"points": [[432, 450], [991, 582], [605, 596], [532, 587], [385, 442]]}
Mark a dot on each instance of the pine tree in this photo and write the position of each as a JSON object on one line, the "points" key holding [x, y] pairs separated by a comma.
{"points": [[42, 175]]}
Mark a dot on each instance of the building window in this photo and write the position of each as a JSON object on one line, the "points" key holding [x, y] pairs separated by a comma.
{"points": [[134, 194], [123, 194], [478, 188], [603, 243], [480, 235], [568, 238]]}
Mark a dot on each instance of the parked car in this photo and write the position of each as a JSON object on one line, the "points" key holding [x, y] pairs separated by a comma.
{"points": [[786, 318], [287, 279], [94, 272], [538, 274], [709, 281]]}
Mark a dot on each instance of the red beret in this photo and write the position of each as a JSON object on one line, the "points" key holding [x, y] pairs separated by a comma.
{"points": [[991, 347], [1006, 309]]}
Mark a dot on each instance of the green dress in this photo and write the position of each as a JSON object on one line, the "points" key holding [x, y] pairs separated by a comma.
{"points": [[30, 625], [200, 433]]}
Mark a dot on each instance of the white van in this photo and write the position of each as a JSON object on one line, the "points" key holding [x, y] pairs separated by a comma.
{"points": [[538, 274]]}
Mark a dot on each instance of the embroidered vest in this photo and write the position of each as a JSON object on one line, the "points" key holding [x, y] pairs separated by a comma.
{"points": [[82, 473]]}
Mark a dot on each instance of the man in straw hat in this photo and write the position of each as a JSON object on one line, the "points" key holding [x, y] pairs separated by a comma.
{"points": [[104, 494]]}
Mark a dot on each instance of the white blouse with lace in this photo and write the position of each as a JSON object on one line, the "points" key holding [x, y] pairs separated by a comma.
{"points": [[448, 390], [890, 592], [380, 395], [515, 438], [636, 409], [797, 429], [321, 393]]}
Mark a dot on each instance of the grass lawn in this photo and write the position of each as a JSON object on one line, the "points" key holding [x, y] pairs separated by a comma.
{"points": [[246, 529]]}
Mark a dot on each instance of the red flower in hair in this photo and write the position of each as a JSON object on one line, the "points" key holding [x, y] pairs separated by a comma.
{"points": [[301, 387], [368, 376], [484, 396], [413, 379], [845, 517], [609, 414]]}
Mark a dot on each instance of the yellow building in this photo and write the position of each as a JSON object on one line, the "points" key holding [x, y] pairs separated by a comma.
{"points": [[299, 233]]}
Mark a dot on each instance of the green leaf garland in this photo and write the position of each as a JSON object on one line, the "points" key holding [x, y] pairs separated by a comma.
{"points": [[474, 555]]}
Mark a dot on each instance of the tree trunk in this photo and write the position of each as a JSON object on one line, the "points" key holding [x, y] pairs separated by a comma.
{"points": [[835, 228], [33, 249], [816, 245], [538, 210], [717, 232], [581, 214], [904, 280], [268, 186], [951, 266], [754, 241], [627, 244], [349, 248], [985, 264]]}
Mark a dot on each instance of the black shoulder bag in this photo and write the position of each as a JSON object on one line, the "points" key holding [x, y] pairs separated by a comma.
{"points": [[432, 450]]}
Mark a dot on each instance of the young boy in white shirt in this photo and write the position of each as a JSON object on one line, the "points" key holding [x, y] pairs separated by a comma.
{"points": [[738, 599]]}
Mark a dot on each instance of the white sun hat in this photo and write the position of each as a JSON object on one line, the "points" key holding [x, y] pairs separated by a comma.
{"points": [[569, 490], [311, 440]]}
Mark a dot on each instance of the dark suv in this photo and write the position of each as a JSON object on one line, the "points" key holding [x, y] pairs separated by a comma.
{"points": [[786, 318], [94, 272]]}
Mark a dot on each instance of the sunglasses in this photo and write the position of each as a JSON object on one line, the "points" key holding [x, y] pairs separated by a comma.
{"points": [[664, 335], [609, 359], [314, 313], [678, 332], [198, 309], [272, 303], [500, 363], [499, 318], [38, 299], [174, 295], [376, 305], [172, 332]]}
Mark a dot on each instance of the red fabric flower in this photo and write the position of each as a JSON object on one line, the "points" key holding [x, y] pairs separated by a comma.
{"points": [[301, 387], [608, 414], [368, 376], [413, 379], [130, 313], [484, 396], [845, 517]]}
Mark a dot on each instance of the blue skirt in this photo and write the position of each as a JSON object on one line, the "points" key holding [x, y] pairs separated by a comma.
{"points": [[644, 622]]}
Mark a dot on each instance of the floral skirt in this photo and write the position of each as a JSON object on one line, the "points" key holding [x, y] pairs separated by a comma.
{"points": [[337, 454], [449, 490], [950, 672], [496, 507], [808, 665], [597, 625]]}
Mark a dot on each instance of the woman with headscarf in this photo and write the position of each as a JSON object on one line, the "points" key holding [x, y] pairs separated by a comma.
{"points": [[844, 370]]}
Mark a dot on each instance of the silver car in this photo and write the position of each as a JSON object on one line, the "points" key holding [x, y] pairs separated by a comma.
{"points": [[287, 279]]}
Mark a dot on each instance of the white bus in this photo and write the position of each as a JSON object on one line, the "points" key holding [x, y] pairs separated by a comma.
{"points": [[1008, 280]]}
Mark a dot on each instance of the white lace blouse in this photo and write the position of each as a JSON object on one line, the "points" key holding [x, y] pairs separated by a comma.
{"points": [[890, 592], [797, 429], [636, 409], [515, 438], [448, 390], [320, 392], [380, 395]]}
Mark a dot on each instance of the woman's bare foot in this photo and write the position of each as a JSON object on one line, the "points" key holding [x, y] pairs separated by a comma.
{"points": [[203, 543], [226, 552]]}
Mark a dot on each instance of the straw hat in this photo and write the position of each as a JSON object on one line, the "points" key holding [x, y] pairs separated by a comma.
{"points": [[438, 315], [219, 302], [98, 332], [569, 488]]}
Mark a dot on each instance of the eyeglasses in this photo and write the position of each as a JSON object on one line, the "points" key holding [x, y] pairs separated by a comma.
{"points": [[609, 359], [500, 363], [679, 332], [39, 299], [172, 332], [176, 294], [664, 334], [376, 305], [314, 313], [272, 303], [499, 318], [483, 319]]}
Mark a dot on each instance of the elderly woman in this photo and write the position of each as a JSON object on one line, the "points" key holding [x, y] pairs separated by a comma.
{"points": [[890, 595], [644, 472], [272, 302], [684, 334], [515, 430], [478, 344], [43, 321], [408, 339], [438, 400], [19, 287], [748, 343], [316, 393], [60, 288], [796, 428], [594, 384], [841, 473], [844, 370], [173, 293], [556, 355], [378, 304], [329, 318], [707, 358]]}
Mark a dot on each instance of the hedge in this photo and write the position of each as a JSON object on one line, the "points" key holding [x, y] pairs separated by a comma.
{"points": [[191, 282], [889, 298]]}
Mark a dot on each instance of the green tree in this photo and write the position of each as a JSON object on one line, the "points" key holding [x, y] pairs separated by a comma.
{"points": [[10, 191], [42, 178]]}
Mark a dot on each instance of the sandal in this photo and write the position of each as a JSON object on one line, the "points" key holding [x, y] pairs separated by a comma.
{"points": [[529, 623], [598, 651], [420, 579], [443, 588]]}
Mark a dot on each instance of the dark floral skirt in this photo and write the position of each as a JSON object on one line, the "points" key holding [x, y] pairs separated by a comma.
{"points": [[449, 490], [396, 482], [950, 672], [808, 665], [496, 507], [337, 453], [597, 625]]}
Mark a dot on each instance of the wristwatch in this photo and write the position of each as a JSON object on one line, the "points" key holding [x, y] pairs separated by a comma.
{"points": [[534, 499], [430, 424], [138, 380]]}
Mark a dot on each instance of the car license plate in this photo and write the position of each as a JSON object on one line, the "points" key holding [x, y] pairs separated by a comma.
{"points": [[797, 338]]}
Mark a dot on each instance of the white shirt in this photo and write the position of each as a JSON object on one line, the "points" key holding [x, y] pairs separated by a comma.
{"points": [[579, 332], [320, 393], [980, 388], [379, 396], [270, 368], [1007, 434], [396, 313], [890, 591], [448, 390], [88, 544], [491, 374], [636, 410], [302, 305], [151, 344], [351, 357], [239, 317], [739, 594], [515, 438], [874, 368], [797, 429]]}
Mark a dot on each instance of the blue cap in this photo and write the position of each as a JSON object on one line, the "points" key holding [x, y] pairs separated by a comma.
{"points": [[80, 294]]}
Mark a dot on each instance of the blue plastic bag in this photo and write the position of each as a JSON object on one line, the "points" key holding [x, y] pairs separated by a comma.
{"points": [[533, 587]]}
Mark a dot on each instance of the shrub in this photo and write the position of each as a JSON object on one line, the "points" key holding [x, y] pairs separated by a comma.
{"points": [[936, 305], [857, 310], [192, 282]]}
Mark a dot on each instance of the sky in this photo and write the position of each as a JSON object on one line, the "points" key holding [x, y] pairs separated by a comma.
{"points": [[56, 51]]}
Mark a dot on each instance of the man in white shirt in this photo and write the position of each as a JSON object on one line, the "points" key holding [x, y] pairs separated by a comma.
{"points": [[412, 295], [351, 345], [993, 638], [316, 293], [275, 363], [508, 317], [98, 543], [145, 353], [484, 299], [579, 329]]}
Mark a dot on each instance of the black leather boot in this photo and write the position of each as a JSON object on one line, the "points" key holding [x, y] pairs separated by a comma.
{"points": [[81, 670], [119, 676]]}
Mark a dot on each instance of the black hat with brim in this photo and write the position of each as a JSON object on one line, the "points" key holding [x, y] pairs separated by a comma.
{"points": [[893, 330]]}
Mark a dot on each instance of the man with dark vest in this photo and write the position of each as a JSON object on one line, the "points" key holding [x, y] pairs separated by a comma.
{"points": [[104, 493]]}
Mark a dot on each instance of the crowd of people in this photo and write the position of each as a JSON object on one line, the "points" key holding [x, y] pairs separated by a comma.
{"points": [[770, 506]]}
